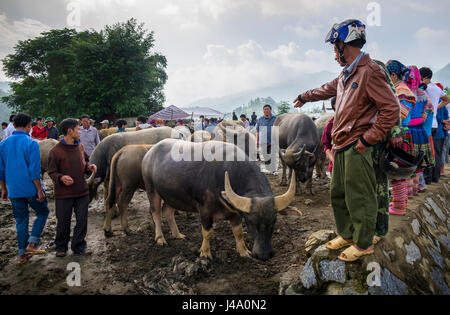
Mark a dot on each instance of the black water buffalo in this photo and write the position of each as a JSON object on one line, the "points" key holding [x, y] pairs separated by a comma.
{"points": [[106, 149], [299, 142], [216, 189]]}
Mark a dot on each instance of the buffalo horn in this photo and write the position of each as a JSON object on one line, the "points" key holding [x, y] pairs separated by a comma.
{"points": [[241, 203], [283, 201], [91, 179], [301, 152]]}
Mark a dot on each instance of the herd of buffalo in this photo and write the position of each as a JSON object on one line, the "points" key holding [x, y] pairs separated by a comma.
{"points": [[218, 188]]}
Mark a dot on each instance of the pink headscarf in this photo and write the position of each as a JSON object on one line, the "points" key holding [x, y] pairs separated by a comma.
{"points": [[412, 78]]}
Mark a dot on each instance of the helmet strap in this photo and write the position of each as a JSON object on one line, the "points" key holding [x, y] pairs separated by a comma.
{"points": [[341, 53]]}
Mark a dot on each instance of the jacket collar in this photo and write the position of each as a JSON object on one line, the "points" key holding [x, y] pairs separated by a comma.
{"points": [[20, 132], [349, 68], [63, 141], [362, 62]]}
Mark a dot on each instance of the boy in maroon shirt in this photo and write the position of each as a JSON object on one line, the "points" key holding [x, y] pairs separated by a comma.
{"points": [[67, 165]]}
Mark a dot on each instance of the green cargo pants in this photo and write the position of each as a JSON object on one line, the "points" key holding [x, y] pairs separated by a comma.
{"points": [[354, 196], [382, 190]]}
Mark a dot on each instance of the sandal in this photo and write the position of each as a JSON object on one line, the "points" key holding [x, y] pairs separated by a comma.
{"points": [[60, 254], [37, 251], [24, 260], [352, 254], [85, 252], [338, 243]]}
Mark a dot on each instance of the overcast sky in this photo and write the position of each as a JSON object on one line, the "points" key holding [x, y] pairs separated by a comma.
{"points": [[221, 47]]}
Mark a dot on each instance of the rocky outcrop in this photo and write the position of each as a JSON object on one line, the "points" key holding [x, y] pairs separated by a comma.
{"points": [[412, 259]]}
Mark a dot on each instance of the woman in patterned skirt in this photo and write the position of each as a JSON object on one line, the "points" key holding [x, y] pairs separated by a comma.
{"points": [[419, 116], [407, 100]]}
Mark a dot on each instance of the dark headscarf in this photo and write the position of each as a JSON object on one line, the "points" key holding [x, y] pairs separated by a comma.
{"points": [[394, 66]]}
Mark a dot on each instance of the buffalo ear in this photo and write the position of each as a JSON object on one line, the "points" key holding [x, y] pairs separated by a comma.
{"points": [[291, 211]]}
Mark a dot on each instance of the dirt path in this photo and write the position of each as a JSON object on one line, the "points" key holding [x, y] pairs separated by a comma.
{"points": [[136, 265]]}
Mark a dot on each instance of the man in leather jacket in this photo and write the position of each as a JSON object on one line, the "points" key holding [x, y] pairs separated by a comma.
{"points": [[366, 110]]}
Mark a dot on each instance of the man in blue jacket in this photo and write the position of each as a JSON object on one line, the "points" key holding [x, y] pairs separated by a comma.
{"points": [[20, 180], [264, 140]]}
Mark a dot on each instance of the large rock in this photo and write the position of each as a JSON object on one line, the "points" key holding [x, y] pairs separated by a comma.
{"points": [[318, 238], [412, 259]]}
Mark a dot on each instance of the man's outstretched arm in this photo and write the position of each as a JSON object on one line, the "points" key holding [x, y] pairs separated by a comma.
{"points": [[325, 92]]}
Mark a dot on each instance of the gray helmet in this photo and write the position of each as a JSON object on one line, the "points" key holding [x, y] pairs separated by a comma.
{"points": [[398, 164]]}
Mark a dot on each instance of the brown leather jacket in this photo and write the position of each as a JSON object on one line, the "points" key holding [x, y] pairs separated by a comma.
{"points": [[365, 106]]}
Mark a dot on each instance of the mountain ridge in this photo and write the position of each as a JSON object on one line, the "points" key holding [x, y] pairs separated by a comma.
{"points": [[285, 91]]}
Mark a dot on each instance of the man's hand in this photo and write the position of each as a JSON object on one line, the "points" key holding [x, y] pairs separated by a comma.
{"points": [[297, 103], [92, 168], [67, 180], [5, 194], [360, 147], [446, 125], [330, 155], [41, 196], [396, 142]]}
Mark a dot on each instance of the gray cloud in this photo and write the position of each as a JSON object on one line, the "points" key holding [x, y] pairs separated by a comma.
{"points": [[215, 47]]}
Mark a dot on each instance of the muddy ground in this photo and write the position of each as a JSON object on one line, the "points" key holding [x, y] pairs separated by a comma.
{"points": [[134, 264]]}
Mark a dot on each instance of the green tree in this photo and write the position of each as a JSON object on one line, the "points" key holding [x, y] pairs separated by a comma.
{"points": [[283, 108], [112, 73]]}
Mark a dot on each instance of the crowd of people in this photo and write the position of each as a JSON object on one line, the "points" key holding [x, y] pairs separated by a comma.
{"points": [[41, 128], [377, 106]]}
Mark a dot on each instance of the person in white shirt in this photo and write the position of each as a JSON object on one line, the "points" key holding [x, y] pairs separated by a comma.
{"points": [[89, 137], [142, 123], [8, 131], [200, 125], [435, 94], [246, 122]]}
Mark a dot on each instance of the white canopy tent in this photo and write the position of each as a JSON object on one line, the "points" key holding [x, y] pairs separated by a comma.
{"points": [[208, 112]]}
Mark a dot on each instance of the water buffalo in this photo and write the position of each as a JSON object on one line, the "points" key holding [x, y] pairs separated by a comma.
{"points": [[104, 152], [45, 147], [299, 142], [125, 178], [216, 188], [220, 129], [233, 131], [107, 132], [183, 132], [321, 123], [200, 136]]}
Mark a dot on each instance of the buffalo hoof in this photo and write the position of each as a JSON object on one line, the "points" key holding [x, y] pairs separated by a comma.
{"points": [[205, 254], [179, 236], [109, 233], [245, 253], [161, 241]]}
